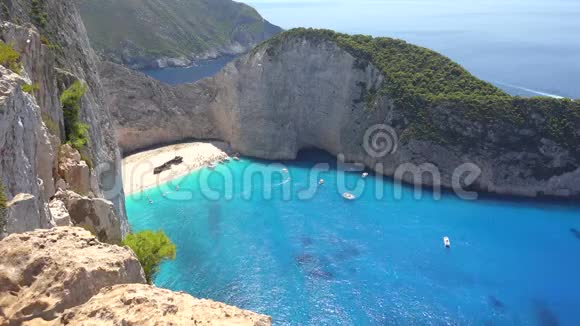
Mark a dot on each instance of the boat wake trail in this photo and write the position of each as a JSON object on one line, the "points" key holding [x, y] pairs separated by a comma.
{"points": [[529, 90]]}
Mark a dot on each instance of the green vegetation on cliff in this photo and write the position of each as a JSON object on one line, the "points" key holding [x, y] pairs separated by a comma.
{"points": [[30, 88], [151, 249], [76, 131], [38, 14], [3, 205], [9, 58], [421, 80], [129, 30]]}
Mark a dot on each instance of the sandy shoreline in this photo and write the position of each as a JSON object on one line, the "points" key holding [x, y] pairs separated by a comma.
{"points": [[138, 168]]}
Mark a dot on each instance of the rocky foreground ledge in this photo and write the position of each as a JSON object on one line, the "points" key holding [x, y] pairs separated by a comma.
{"points": [[65, 276]]}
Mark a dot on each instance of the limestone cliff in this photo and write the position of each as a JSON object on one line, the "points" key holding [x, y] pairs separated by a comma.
{"points": [[139, 304], [54, 51], [303, 90], [150, 113], [65, 276], [45, 272]]}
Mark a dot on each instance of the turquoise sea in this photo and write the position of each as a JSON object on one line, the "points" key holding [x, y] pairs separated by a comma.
{"points": [[328, 261]]}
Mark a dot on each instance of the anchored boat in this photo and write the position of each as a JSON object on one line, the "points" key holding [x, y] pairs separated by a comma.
{"points": [[348, 196], [446, 242]]}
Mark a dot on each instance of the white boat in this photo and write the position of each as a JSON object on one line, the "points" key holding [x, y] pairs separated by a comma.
{"points": [[236, 158], [211, 166], [321, 182], [227, 159], [446, 242], [348, 196], [364, 175]]}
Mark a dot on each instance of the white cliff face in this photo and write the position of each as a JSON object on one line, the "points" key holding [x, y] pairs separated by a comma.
{"points": [[305, 96], [303, 93], [25, 149], [32, 153], [150, 113]]}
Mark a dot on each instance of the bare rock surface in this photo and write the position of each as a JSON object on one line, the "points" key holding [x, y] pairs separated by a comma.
{"points": [[22, 140], [22, 214], [149, 113], [74, 170], [44, 272], [140, 304], [95, 214], [65, 276], [59, 213]]}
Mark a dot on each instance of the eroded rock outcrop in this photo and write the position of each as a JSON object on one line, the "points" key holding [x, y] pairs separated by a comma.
{"points": [[139, 304], [304, 92], [65, 276], [59, 213], [73, 170], [95, 214], [44, 272]]}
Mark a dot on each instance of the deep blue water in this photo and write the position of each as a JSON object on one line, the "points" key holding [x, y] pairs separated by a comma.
{"points": [[328, 261], [182, 75]]}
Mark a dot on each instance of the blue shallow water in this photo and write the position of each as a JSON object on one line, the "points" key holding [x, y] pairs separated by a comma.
{"points": [[330, 261]]}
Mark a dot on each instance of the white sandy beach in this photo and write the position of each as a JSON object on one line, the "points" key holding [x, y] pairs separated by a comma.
{"points": [[138, 168]]}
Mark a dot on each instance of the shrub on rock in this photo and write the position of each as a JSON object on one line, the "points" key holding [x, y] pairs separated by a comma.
{"points": [[151, 248]]}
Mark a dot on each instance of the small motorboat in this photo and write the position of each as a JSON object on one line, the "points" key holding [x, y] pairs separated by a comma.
{"points": [[348, 196], [285, 170], [227, 159], [321, 182], [446, 242], [364, 175], [211, 166]]}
